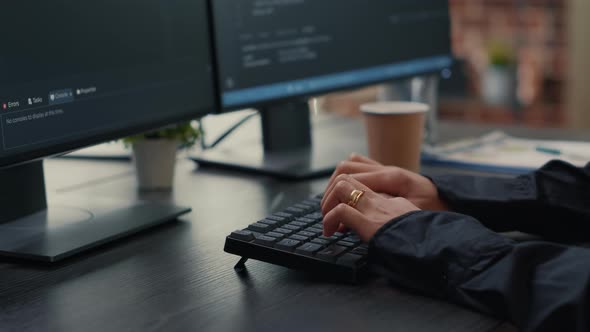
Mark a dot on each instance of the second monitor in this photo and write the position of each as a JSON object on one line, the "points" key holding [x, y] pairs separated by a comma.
{"points": [[273, 55]]}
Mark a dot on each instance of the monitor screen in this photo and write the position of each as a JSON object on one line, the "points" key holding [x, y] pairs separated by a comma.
{"points": [[75, 73], [274, 49]]}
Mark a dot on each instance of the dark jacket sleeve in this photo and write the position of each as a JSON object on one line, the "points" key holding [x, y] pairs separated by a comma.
{"points": [[539, 286], [553, 202]]}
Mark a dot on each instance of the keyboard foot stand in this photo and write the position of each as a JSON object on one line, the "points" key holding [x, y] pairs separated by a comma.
{"points": [[241, 266]]}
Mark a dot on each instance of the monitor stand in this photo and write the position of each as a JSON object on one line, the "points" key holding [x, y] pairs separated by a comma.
{"points": [[290, 149], [32, 231]]}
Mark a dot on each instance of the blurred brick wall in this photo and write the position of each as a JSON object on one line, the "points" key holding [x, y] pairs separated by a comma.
{"points": [[535, 28]]}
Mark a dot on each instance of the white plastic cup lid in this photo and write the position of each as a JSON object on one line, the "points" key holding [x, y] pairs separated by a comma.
{"points": [[394, 108]]}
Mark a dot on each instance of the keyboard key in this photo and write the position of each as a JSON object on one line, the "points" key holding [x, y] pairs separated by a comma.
{"points": [[310, 207], [350, 259], [283, 231], [314, 207], [295, 211], [308, 249], [277, 218], [269, 222], [331, 253], [319, 226], [292, 227], [314, 231], [299, 238], [315, 216], [360, 251], [283, 214], [345, 244], [312, 202], [320, 242], [259, 227], [306, 234], [287, 245], [353, 238], [256, 234], [339, 235], [242, 235], [303, 206], [266, 241], [276, 235], [298, 223], [304, 220]]}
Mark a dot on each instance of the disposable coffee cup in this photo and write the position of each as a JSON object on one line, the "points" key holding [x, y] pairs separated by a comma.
{"points": [[395, 131]]}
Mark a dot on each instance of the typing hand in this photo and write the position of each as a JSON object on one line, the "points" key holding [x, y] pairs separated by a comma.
{"points": [[390, 181], [370, 213]]}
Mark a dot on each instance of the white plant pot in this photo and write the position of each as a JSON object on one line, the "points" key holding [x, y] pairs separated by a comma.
{"points": [[499, 85], [155, 160]]}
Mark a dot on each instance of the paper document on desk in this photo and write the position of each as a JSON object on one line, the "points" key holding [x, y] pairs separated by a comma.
{"points": [[499, 152]]}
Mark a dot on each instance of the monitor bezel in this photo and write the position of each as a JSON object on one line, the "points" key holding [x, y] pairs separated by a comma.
{"points": [[320, 92]]}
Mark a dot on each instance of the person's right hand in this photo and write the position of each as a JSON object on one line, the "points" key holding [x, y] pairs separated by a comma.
{"points": [[391, 181]]}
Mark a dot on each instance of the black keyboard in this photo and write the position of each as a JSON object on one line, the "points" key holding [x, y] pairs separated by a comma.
{"points": [[293, 238]]}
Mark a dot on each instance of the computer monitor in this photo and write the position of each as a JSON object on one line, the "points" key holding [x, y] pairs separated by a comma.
{"points": [[273, 55], [77, 73]]}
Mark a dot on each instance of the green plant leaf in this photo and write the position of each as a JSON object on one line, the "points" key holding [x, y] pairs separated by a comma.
{"points": [[501, 54], [185, 133]]}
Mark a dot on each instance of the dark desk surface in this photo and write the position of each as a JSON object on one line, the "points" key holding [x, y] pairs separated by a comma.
{"points": [[177, 277]]}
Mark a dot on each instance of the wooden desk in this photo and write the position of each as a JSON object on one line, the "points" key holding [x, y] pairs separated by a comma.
{"points": [[177, 277]]}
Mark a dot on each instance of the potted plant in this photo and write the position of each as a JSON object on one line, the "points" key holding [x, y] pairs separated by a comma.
{"points": [[499, 86], [154, 154]]}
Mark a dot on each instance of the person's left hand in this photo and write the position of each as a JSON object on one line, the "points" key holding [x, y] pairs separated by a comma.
{"points": [[370, 214]]}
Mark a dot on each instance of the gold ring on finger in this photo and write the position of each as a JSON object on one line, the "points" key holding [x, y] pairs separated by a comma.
{"points": [[355, 196]]}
